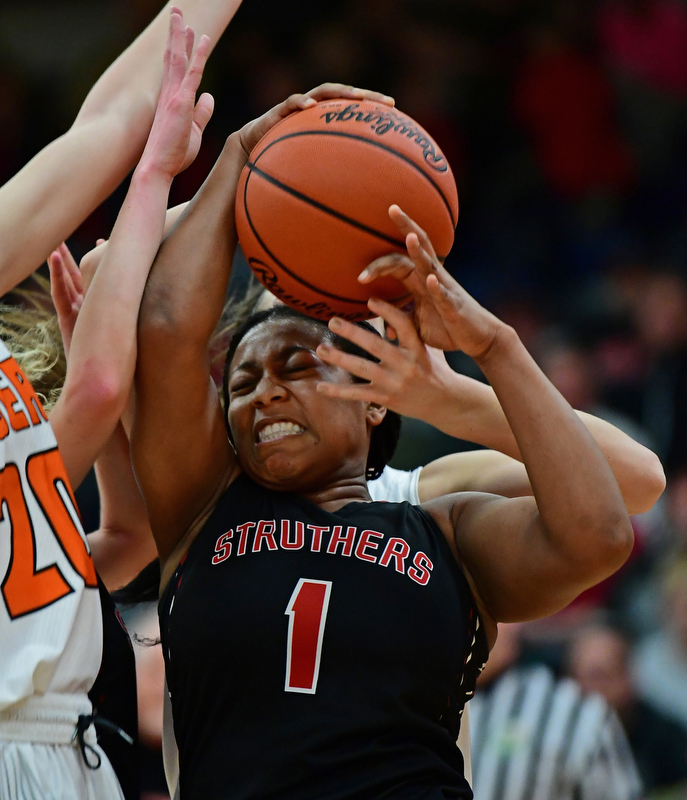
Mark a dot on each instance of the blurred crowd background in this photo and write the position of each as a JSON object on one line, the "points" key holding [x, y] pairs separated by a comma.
{"points": [[565, 122]]}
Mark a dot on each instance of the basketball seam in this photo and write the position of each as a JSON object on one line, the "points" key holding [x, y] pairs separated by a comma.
{"points": [[297, 278], [374, 144], [322, 207]]}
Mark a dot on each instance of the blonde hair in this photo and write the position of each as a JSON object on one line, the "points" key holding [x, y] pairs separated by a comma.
{"points": [[31, 332]]}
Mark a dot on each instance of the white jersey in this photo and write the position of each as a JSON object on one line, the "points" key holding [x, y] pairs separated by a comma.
{"points": [[50, 617], [395, 486]]}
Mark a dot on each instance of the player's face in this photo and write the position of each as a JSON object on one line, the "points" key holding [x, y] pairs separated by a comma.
{"points": [[289, 436]]}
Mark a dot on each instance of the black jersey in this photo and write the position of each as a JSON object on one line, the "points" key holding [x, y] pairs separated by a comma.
{"points": [[318, 655], [114, 698]]}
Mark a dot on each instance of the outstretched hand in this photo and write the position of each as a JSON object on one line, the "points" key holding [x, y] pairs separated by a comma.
{"points": [[67, 291], [68, 286], [177, 129], [251, 133], [409, 378], [444, 314]]}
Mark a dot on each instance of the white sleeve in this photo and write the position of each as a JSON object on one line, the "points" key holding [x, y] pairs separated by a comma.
{"points": [[612, 774], [395, 486]]}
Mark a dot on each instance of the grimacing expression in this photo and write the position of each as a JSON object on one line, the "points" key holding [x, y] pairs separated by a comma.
{"points": [[288, 435]]}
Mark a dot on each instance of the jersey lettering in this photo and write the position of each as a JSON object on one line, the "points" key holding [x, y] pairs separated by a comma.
{"points": [[243, 540], [265, 532], [398, 549], [223, 547], [307, 612], [337, 539], [292, 537], [15, 415], [24, 390], [25, 588], [317, 531], [366, 542], [285, 540], [48, 480], [421, 569]]}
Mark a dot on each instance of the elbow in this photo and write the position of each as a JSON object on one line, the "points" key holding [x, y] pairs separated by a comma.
{"points": [[619, 542], [651, 484], [609, 543], [96, 393]]}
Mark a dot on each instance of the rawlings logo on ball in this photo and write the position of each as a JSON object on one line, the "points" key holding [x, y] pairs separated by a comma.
{"points": [[382, 121], [265, 274]]}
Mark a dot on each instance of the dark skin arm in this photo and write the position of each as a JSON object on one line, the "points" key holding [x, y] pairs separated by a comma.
{"points": [[525, 557], [182, 456]]}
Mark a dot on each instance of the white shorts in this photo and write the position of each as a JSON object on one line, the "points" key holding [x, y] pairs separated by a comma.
{"points": [[40, 759]]}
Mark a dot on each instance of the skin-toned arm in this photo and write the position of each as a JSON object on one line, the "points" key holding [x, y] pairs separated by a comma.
{"points": [[103, 346], [90, 262], [182, 456], [50, 197], [416, 381], [530, 556], [123, 543]]}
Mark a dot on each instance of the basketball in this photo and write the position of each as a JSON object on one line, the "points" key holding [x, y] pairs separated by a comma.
{"points": [[312, 204]]}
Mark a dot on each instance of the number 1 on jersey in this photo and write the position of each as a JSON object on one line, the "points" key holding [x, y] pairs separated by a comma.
{"points": [[307, 612]]}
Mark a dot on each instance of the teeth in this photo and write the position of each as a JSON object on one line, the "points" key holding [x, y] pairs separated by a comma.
{"points": [[279, 429]]}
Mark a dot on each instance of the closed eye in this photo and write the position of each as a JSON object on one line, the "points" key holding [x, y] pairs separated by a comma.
{"points": [[241, 387], [300, 362]]}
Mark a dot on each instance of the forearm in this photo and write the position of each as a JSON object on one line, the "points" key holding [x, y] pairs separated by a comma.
{"points": [[106, 325], [103, 351], [123, 544], [579, 503], [90, 262], [470, 410], [47, 200], [187, 284]]}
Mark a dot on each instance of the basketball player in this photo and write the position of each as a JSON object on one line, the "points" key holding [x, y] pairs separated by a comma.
{"points": [[360, 709], [50, 615]]}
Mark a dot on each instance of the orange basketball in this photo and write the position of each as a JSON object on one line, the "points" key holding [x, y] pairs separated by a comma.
{"points": [[312, 203]]}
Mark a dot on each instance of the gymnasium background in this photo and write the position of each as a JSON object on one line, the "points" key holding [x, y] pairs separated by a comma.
{"points": [[565, 122]]}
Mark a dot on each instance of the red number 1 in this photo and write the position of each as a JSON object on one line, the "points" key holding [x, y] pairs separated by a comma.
{"points": [[307, 611]]}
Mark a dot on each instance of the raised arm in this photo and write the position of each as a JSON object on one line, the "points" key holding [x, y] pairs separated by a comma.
{"points": [[47, 200], [415, 380], [103, 347], [182, 455], [529, 556]]}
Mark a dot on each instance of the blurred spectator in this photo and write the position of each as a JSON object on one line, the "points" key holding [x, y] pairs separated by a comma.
{"points": [[661, 658], [644, 44], [599, 661], [565, 103], [537, 737], [660, 314], [677, 511], [647, 40]]}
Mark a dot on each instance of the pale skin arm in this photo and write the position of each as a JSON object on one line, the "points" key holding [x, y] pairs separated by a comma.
{"points": [[89, 263], [182, 456], [103, 347], [416, 381], [530, 556], [50, 197], [123, 544]]}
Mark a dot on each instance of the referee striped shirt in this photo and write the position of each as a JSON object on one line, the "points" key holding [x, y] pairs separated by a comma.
{"points": [[537, 738]]}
